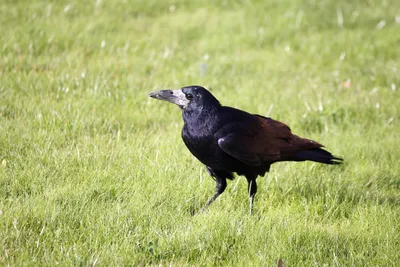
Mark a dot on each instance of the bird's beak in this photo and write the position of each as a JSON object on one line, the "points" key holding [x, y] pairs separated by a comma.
{"points": [[174, 96]]}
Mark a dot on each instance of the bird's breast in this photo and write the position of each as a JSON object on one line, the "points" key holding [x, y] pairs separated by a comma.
{"points": [[202, 146]]}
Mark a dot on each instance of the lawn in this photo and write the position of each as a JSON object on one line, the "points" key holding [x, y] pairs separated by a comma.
{"points": [[94, 172]]}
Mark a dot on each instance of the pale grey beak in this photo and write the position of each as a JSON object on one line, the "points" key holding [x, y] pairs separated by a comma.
{"points": [[174, 96]]}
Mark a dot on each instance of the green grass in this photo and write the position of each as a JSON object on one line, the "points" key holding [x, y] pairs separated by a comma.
{"points": [[93, 172]]}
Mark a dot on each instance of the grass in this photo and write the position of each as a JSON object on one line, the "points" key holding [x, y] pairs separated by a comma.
{"points": [[93, 172]]}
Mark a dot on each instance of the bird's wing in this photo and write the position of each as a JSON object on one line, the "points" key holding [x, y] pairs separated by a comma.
{"points": [[261, 140], [239, 147]]}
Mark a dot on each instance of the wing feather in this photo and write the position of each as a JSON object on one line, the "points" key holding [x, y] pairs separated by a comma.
{"points": [[261, 140]]}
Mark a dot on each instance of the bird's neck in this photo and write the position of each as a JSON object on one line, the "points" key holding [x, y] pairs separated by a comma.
{"points": [[200, 120]]}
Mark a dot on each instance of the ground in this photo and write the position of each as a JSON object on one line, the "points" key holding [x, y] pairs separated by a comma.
{"points": [[93, 172]]}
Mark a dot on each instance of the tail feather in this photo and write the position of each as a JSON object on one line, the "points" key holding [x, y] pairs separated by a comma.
{"points": [[318, 155]]}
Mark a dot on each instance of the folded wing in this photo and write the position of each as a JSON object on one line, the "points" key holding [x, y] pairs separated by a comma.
{"points": [[263, 140]]}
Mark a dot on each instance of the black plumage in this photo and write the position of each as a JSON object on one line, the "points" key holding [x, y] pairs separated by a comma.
{"points": [[229, 140]]}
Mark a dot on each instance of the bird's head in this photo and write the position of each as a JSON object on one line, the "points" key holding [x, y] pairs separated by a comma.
{"points": [[188, 98]]}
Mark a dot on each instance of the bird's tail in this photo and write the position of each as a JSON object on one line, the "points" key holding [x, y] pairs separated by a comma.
{"points": [[318, 155]]}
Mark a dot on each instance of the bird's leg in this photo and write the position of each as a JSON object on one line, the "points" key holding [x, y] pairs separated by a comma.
{"points": [[252, 188], [220, 188]]}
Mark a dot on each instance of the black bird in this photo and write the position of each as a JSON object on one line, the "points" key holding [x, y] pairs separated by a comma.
{"points": [[229, 140]]}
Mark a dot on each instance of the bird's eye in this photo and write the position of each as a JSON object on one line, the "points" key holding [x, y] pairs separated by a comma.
{"points": [[189, 96]]}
